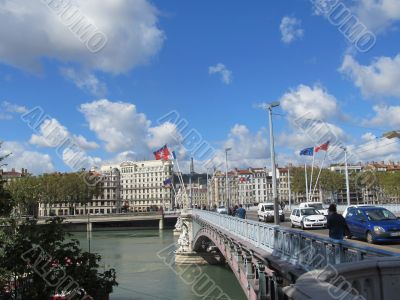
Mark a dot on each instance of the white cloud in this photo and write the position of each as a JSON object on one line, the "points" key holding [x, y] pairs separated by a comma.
{"points": [[378, 15], [379, 79], [166, 133], [7, 110], [35, 162], [226, 74], [314, 101], [248, 149], [118, 124], [85, 81], [368, 137], [13, 108], [52, 134], [376, 150], [291, 29], [131, 27], [76, 159], [388, 116], [123, 129]]}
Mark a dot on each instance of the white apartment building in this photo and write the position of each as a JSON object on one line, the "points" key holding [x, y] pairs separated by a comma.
{"points": [[142, 185]]}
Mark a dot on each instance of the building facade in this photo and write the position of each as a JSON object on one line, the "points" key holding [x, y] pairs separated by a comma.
{"points": [[127, 187], [142, 185]]}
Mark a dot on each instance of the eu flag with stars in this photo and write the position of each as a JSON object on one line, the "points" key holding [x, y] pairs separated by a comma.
{"points": [[307, 151]]}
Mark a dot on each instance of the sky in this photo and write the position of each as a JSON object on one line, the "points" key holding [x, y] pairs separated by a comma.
{"points": [[114, 80]]}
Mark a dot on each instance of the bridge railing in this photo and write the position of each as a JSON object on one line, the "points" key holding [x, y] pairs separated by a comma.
{"points": [[308, 251]]}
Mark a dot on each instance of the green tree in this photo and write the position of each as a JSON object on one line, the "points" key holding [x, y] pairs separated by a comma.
{"points": [[53, 189], [20, 262], [390, 183], [6, 204], [331, 181]]}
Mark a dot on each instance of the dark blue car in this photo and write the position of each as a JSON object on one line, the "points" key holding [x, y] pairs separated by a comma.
{"points": [[375, 224]]}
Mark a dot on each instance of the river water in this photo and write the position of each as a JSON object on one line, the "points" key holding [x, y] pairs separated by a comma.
{"points": [[143, 261]]}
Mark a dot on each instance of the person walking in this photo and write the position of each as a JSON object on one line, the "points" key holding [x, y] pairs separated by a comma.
{"points": [[241, 212], [235, 209], [336, 224]]}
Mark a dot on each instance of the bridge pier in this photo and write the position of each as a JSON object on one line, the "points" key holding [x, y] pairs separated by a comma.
{"points": [[89, 227], [262, 281], [161, 224]]}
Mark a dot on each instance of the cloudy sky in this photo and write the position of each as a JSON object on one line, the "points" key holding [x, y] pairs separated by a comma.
{"points": [[139, 74]]}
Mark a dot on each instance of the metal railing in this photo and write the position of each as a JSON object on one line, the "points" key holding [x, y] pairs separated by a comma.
{"points": [[306, 250]]}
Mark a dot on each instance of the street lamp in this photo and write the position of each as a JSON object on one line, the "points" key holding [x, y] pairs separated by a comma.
{"points": [[208, 190], [226, 177], [347, 175], [269, 107]]}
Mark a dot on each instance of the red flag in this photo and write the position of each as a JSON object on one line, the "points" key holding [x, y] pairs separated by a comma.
{"points": [[323, 147], [162, 153]]}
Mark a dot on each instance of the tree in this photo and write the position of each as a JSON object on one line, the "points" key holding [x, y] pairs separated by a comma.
{"points": [[390, 183], [6, 204], [53, 189], [32, 272], [331, 182]]}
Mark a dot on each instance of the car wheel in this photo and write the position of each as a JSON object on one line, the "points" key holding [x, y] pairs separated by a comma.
{"points": [[265, 219], [282, 218], [370, 238], [291, 224], [302, 225]]}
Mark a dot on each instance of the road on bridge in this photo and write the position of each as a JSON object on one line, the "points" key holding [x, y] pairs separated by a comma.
{"points": [[252, 215]]}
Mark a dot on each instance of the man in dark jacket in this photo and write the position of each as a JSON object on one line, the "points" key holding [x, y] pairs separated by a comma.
{"points": [[336, 224], [241, 212]]}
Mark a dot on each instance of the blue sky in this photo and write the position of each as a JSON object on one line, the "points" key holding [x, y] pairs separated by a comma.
{"points": [[212, 62]]}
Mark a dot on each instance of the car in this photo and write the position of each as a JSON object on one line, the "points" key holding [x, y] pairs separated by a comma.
{"points": [[265, 212], [222, 210], [319, 206], [307, 217], [372, 223], [344, 214]]}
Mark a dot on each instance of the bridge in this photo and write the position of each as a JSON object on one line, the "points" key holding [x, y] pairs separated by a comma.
{"points": [[274, 262], [88, 220]]}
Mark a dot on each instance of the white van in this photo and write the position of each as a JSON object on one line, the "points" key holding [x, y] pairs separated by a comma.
{"points": [[265, 212], [319, 206]]}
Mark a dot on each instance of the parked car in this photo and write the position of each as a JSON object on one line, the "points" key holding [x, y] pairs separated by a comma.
{"points": [[375, 224], [307, 218], [344, 214], [265, 212], [222, 210], [319, 206]]}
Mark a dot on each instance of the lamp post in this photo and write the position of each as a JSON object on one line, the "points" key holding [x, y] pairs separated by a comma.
{"points": [[226, 177], [290, 190], [208, 191], [347, 176], [269, 107], [190, 183]]}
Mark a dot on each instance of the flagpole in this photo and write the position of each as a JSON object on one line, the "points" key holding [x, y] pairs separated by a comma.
{"points": [[181, 178], [306, 176], [312, 173], [320, 170]]}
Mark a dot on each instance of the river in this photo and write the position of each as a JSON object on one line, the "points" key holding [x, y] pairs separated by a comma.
{"points": [[145, 268]]}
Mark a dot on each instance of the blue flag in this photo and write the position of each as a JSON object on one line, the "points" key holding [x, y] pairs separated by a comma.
{"points": [[307, 151], [168, 182]]}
